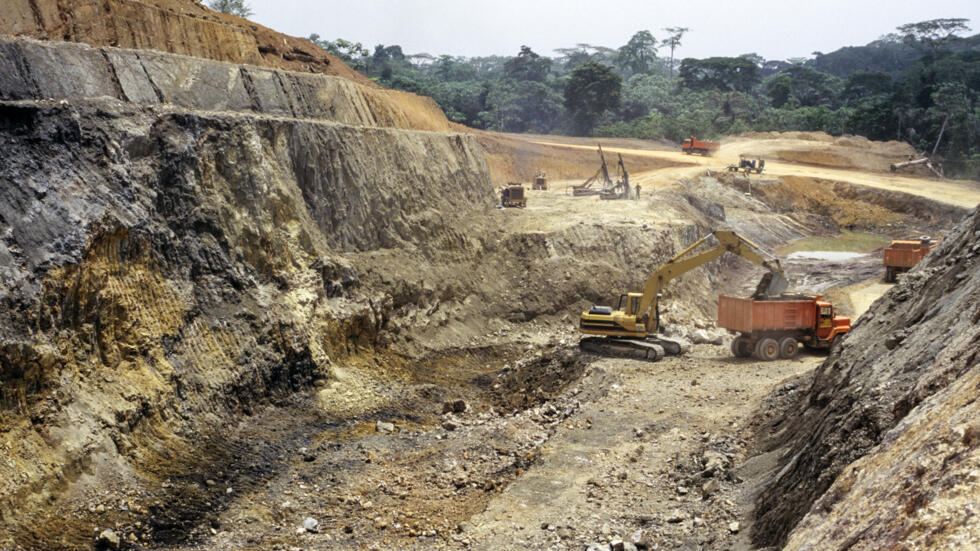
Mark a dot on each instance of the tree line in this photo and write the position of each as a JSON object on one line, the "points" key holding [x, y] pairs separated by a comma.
{"points": [[920, 84]]}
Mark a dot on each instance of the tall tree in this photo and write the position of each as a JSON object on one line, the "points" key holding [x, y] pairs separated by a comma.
{"points": [[638, 54], [934, 33], [673, 41], [528, 66], [864, 84], [591, 90], [352, 53], [812, 88], [719, 73], [779, 88], [234, 7], [522, 106]]}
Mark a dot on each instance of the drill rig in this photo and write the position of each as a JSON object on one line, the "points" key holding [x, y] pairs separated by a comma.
{"points": [[632, 329], [620, 189]]}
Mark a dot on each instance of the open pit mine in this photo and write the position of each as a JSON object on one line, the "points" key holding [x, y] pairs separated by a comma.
{"points": [[249, 299]]}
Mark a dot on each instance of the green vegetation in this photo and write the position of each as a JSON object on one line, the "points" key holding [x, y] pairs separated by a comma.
{"points": [[920, 85], [234, 7]]}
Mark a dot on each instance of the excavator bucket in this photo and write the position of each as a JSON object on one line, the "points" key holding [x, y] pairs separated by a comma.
{"points": [[771, 285]]}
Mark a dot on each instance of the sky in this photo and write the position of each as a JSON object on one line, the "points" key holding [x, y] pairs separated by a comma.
{"points": [[774, 29]]}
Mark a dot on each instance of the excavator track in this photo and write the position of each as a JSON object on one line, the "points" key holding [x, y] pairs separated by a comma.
{"points": [[651, 349]]}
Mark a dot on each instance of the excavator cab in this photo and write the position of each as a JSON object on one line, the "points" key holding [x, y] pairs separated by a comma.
{"points": [[629, 303]]}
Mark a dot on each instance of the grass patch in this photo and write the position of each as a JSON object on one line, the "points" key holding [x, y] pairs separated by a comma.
{"points": [[847, 241]]}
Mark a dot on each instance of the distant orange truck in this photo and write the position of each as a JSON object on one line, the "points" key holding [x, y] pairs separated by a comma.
{"points": [[774, 328], [902, 254], [693, 145]]}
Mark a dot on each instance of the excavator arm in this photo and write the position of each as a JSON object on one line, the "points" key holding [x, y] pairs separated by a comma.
{"points": [[728, 241]]}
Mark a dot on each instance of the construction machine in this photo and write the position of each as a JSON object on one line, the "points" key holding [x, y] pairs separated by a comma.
{"points": [[601, 176], [513, 195], [607, 189], [692, 145], [748, 165], [903, 254], [631, 329], [775, 327], [620, 189], [540, 181]]}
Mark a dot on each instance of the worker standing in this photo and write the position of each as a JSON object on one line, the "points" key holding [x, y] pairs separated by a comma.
{"points": [[637, 191]]}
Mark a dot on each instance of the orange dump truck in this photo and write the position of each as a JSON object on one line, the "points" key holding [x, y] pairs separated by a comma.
{"points": [[774, 328], [693, 145], [903, 254]]}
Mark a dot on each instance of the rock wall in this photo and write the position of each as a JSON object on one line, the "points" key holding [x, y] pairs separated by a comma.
{"points": [[162, 269], [882, 450], [30, 69]]}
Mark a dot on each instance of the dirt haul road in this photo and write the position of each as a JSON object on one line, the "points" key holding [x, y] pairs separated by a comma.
{"points": [[953, 192]]}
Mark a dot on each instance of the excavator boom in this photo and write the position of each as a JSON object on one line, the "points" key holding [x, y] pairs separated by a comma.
{"points": [[634, 324]]}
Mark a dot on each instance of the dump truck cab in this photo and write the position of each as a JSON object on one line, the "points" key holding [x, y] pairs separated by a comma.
{"points": [[828, 324]]}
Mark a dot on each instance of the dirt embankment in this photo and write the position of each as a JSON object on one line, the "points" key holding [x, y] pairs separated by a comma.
{"points": [[882, 450], [138, 72], [177, 26], [848, 205], [517, 159], [821, 149], [33, 70]]}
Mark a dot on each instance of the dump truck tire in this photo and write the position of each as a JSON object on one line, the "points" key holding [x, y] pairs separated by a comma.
{"points": [[740, 347], [767, 349], [788, 347]]}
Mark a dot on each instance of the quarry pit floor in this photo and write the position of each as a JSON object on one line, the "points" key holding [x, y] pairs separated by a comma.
{"points": [[623, 447]]}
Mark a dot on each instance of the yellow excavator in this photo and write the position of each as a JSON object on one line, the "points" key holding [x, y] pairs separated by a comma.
{"points": [[631, 330]]}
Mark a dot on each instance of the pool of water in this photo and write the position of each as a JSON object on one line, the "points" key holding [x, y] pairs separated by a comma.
{"points": [[830, 256], [847, 241]]}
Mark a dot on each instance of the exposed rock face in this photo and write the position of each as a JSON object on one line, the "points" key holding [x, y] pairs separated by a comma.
{"points": [[173, 233], [883, 449], [176, 26]]}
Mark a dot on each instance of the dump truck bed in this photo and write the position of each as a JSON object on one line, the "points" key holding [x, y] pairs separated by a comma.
{"points": [[699, 145], [905, 254], [747, 316]]}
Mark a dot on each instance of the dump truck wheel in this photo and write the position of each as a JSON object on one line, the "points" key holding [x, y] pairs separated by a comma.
{"points": [[767, 349], [788, 347], [740, 347]]}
